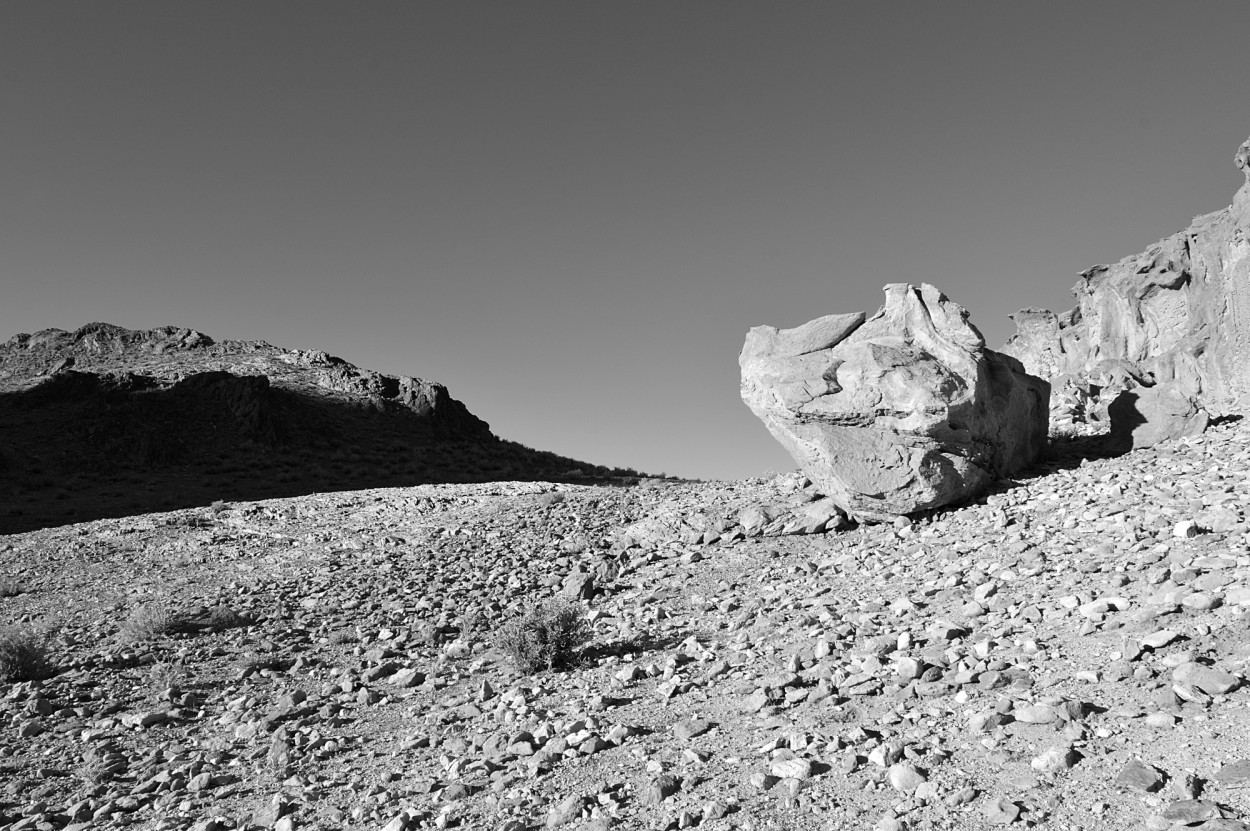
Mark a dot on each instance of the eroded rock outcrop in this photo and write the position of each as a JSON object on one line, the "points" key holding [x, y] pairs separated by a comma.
{"points": [[171, 354], [899, 412], [1176, 315]]}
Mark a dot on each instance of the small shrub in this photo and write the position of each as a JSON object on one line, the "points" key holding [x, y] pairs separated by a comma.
{"points": [[475, 622], [151, 620], [1064, 431], [94, 772], [548, 636], [167, 677], [24, 656]]}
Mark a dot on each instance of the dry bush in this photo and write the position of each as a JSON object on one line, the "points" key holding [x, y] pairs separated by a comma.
{"points": [[151, 620], [549, 635], [167, 677], [475, 622], [24, 655], [1060, 432]]}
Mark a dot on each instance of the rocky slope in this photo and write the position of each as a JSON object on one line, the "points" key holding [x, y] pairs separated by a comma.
{"points": [[1070, 652], [1178, 314], [106, 421]]}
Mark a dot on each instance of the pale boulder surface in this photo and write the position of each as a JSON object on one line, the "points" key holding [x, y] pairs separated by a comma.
{"points": [[900, 412], [1177, 314]]}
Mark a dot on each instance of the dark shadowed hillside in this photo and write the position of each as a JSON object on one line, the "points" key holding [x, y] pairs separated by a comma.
{"points": [[106, 421]]}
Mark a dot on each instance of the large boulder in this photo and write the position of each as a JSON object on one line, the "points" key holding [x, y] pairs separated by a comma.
{"points": [[1147, 416], [1176, 315], [899, 412]]}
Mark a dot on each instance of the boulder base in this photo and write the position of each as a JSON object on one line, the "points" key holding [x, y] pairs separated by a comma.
{"points": [[899, 412]]}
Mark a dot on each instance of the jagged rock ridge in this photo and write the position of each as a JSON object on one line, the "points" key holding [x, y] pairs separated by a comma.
{"points": [[1177, 314], [170, 355]]}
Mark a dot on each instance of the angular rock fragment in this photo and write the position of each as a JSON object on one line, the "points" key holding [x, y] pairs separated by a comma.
{"points": [[1001, 812], [689, 728], [1139, 776], [1210, 680], [1189, 811], [1234, 774], [565, 811], [1055, 759], [1035, 714], [904, 778], [659, 789], [792, 768]]}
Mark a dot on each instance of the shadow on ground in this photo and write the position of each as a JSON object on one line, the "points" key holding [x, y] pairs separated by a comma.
{"points": [[81, 450], [637, 645]]}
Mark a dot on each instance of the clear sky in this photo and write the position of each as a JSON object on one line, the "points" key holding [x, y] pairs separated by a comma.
{"points": [[570, 213]]}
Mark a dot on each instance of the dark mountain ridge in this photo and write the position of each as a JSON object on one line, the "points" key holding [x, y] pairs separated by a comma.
{"points": [[106, 421], [170, 354]]}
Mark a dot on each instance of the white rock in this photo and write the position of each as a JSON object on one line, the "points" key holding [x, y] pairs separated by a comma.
{"points": [[1186, 529], [904, 778]]}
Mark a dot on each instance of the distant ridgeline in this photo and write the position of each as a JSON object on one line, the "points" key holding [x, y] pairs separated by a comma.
{"points": [[105, 421]]}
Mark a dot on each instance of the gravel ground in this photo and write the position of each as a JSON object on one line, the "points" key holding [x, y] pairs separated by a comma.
{"points": [[1069, 653]]}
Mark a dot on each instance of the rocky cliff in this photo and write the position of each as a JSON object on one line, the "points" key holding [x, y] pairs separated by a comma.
{"points": [[1177, 314]]}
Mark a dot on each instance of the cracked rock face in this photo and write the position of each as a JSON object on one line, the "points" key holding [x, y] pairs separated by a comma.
{"points": [[899, 412], [1177, 315]]}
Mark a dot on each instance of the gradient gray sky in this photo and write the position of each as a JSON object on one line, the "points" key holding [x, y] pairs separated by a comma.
{"points": [[570, 213]]}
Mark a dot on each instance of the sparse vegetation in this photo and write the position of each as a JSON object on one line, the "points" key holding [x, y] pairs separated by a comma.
{"points": [[24, 655], [475, 622], [1062, 432], [95, 771], [167, 677], [550, 635], [151, 620]]}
